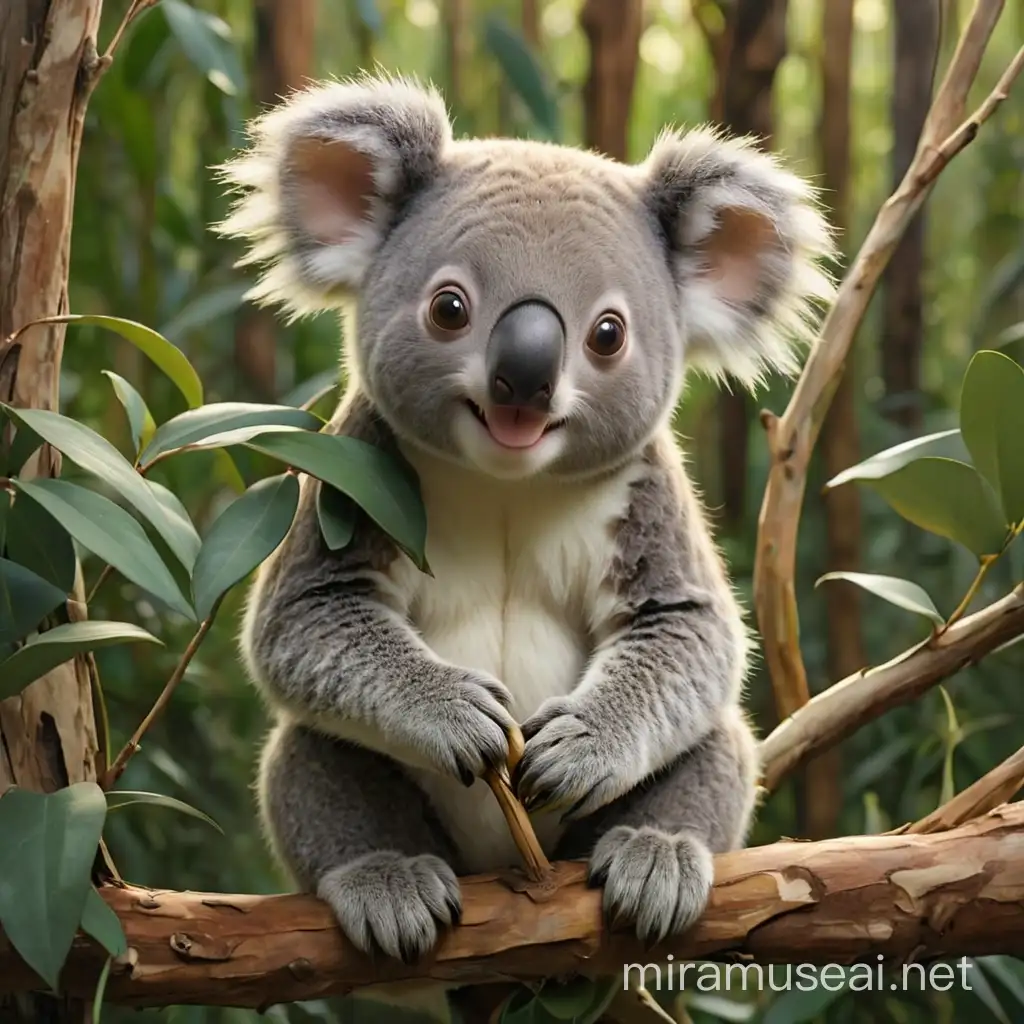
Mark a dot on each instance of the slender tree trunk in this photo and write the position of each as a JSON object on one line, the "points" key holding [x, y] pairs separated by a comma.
{"points": [[747, 55], [613, 29], [916, 44], [48, 65], [285, 37], [531, 22], [840, 440]]}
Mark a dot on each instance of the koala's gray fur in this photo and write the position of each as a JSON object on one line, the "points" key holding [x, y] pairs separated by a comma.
{"points": [[576, 588]]}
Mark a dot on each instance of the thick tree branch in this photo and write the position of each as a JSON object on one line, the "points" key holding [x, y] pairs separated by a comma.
{"points": [[843, 708], [953, 894], [791, 438]]}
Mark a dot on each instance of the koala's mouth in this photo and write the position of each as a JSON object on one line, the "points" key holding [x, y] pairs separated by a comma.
{"points": [[514, 426]]}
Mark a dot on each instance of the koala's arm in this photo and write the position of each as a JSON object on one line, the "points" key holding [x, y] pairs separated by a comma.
{"points": [[670, 654], [327, 639]]}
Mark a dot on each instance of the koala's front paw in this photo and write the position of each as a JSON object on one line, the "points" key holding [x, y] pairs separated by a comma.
{"points": [[464, 729], [396, 903], [658, 882], [568, 762]]}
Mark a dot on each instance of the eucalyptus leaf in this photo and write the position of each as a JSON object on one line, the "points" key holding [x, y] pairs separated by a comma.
{"points": [[992, 424], [140, 420], [110, 533], [219, 418], [50, 842], [523, 73], [899, 592], [119, 798], [336, 513], [25, 600], [38, 542], [99, 921], [945, 443], [383, 486], [982, 988], [187, 540], [243, 536], [948, 498], [169, 358], [203, 38], [797, 1006], [46, 651], [98, 456]]}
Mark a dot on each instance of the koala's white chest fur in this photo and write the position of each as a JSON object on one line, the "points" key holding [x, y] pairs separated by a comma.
{"points": [[518, 570]]}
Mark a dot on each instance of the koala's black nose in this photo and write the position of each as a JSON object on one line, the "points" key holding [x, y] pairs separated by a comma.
{"points": [[524, 356]]}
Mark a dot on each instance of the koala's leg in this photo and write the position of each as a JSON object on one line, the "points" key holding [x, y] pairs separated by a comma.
{"points": [[651, 848], [352, 827]]}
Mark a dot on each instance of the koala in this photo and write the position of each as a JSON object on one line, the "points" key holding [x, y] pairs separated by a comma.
{"points": [[524, 317]]}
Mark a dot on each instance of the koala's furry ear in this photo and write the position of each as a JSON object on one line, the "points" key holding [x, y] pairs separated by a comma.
{"points": [[747, 240], [325, 176]]}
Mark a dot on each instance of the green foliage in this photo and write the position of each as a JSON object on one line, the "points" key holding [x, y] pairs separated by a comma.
{"points": [[130, 797], [45, 867], [25, 599], [579, 1001], [45, 651], [140, 419], [901, 593], [245, 534]]}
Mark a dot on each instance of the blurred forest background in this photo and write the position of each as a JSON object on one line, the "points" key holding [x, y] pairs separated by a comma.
{"points": [[840, 87]]}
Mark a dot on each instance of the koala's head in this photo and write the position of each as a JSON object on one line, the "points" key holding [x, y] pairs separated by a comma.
{"points": [[525, 307]]}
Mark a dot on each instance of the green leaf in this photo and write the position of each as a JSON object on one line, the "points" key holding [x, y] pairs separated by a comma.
{"points": [[99, 921], [157, 348], [946, 442], [140, 420], [98, 456], [50, 842], [46, 651], [383, 486], [314, 389], [204, 308], [580, 1000], [110, 533], [127, 797], [25, 599], [198, 425], [202, 36], [797, 1006], [901, 593], [524, 74], [982, 988], [992, 424], [101, 989], [244, 534], [947, 498], [951, 741], [369, 15], [187, 541], [6, 500], [38, 542], [337, 515], [1007, 971]]}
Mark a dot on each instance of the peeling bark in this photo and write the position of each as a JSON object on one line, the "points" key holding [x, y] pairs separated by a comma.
{"points": [[951, 894]]}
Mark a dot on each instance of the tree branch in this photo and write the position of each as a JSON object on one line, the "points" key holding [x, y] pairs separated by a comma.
{"points": [[953, 894], [843, 708], [791, 438]]}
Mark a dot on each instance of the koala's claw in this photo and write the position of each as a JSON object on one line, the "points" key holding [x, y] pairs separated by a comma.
{"points": [[467, 729], [394, 903], [564, 764], [655, 881]]}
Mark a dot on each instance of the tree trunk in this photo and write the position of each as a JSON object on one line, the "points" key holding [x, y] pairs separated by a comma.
{"points": [[531, 22], [285, 36], [748, 55], [613, 29], [49, 61], [840, 440], [916, 42]]}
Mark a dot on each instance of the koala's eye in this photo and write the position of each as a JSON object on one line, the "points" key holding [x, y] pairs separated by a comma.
{"points": [[449, 311], [607, 336]]}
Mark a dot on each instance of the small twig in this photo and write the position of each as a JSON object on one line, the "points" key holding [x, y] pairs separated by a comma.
{"points": [[992, 789], [843, 708], [538, 867], [135, 8], [115, 771], [792, 437], [100, 580]]}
